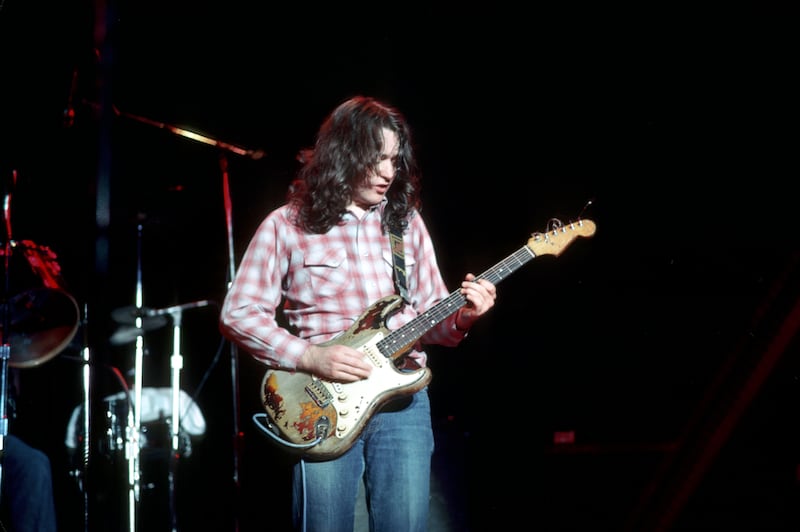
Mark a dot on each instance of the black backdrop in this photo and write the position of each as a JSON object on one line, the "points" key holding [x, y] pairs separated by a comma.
{"points": [[651, 342]]}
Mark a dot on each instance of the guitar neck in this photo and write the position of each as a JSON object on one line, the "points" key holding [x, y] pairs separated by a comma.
{"points": [[411, 332]]}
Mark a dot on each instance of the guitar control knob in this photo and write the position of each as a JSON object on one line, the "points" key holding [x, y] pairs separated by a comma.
{"points": [[344, 412], [342, 396], [341, 428]]}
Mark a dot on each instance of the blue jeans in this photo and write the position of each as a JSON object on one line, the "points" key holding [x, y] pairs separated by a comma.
{"points": [[393, 455], [27, 487]]}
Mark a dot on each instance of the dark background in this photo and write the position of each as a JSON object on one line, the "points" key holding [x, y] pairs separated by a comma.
{"points": [[662, 347]]}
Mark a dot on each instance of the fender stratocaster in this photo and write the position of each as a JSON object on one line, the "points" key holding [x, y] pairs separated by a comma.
{"points": [[321, 419]]}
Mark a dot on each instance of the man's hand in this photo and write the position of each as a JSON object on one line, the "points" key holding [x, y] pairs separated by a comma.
{"points": [[480, 295], [335, 363]]}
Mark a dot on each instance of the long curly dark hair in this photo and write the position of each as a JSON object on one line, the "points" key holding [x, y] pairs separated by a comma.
{"points": [[348, 146]]}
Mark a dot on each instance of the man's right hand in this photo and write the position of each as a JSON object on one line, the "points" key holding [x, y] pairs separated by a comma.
{"points": [[335, 363]]}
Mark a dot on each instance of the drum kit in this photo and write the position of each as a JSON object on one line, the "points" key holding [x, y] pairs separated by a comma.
{"points": [[44, 320], [41, 321]]}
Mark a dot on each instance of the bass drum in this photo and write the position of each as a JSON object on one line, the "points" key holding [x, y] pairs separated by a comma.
{"points": [[155, 430], [43, 318], [154, 433]]}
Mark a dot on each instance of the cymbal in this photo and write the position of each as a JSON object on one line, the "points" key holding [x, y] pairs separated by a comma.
{"points": [[128, 315], [126, 334], [42, 322]]}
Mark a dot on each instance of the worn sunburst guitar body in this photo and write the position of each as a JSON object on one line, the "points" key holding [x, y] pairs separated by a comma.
{"points": [[320, 419]]}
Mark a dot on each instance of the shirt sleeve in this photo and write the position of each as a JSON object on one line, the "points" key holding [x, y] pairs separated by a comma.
{"points": [[250, 308]]}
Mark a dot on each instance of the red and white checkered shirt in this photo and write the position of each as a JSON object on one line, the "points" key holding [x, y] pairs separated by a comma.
{"points": [[325, 283]]}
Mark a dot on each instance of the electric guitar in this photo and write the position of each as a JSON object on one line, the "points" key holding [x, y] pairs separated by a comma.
{"points": [[320, 419]]}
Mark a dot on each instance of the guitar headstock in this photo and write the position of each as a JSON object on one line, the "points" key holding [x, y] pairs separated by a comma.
{"points": [[559, 236]]}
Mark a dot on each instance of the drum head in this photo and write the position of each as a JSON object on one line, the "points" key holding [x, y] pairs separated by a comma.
{"points": [[42, 322]]}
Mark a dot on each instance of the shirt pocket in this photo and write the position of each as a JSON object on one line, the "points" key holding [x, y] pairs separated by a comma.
{"points": [[327, 270]]}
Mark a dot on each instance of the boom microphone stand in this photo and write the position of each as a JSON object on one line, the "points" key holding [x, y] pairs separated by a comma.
{"points": [[237, 433], [255, 155]]}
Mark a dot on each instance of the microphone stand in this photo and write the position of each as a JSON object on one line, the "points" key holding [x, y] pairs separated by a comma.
{"points": [[237, 433], [255, 155], [5, 348]]}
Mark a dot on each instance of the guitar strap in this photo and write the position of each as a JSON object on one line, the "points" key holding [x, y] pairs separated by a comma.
{"points": [[399, 261]]}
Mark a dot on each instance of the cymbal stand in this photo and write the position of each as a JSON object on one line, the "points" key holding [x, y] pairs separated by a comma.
{"points": [[133, 432], [83, 473], [5, 348], [176, 363]]}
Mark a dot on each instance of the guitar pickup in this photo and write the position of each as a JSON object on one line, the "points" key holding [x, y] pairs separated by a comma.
{"points": [[319, 393]]}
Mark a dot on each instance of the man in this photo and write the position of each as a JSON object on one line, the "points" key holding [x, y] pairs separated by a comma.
{"points": [[319, 262]]}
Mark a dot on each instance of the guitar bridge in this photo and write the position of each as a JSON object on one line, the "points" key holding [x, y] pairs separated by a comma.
{"points": [[318, 393]]}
